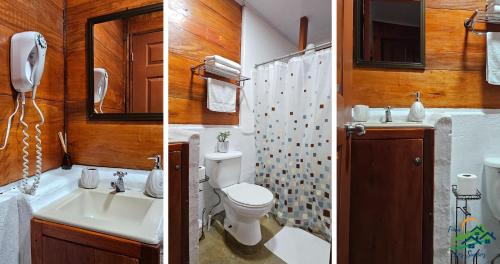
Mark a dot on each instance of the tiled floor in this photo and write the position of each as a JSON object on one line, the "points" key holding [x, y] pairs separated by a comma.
{"points": [[218, 247]]}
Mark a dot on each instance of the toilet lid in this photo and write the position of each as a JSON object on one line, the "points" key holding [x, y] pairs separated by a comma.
{"points": [[249, 194]]}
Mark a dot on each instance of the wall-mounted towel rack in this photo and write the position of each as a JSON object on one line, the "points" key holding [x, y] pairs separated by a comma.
{"points": [[489, 16], [200, 70]]}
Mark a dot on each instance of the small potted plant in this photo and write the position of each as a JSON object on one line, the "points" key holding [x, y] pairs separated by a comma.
{"points": [[222, 143]]}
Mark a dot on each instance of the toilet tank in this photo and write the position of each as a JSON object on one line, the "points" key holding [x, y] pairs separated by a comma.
{"points": [[223, 169], [492, 173]]}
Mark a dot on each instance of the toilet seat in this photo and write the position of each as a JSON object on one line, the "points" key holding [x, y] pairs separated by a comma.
{"points": [[248, 195]]}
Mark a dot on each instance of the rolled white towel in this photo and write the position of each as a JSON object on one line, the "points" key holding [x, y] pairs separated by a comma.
{"points": [[218, 59]]}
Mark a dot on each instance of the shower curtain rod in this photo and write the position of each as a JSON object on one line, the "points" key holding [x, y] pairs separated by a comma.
{"points": [[298, 53]]}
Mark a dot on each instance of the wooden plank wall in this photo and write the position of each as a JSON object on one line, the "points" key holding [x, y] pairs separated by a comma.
{"points": [[454, 75], [112, 144], [198, 28], [45, 17], [110, 54]]}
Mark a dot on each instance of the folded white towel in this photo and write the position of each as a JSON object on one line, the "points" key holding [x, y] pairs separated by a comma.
{"points": [[493, 58], [222, 70], [222, 60], [221, 96]]}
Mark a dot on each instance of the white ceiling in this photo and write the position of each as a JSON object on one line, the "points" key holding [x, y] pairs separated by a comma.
{"points": [[285, 16]]}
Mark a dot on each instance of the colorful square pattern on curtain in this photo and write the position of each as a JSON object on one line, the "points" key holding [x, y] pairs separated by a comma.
{"points": [[293, 138]]}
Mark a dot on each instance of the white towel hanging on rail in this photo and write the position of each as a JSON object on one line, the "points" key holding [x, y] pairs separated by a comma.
{"points": [[221, 96], [493, 58]]}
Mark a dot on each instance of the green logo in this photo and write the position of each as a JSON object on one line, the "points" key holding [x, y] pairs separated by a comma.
{"points": [[478, 235]]}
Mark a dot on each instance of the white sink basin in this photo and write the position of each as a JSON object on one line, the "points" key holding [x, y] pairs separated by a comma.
{"points": [[130, 214], [374, 124]]}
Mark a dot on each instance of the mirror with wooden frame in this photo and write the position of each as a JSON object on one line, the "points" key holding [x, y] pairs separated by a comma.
{"points": [[390, 33], [125, 65]]}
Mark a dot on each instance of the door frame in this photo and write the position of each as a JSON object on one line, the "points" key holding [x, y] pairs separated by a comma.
{"points": [[344, 42]]}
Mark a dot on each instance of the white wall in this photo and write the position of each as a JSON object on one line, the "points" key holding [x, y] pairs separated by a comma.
{"points": [[260, 42]]}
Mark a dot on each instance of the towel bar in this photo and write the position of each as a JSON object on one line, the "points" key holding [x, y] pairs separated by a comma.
{"points": [[482, 16], [200, 70]]}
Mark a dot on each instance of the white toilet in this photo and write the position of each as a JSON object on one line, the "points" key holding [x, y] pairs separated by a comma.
{"points": [[244, 203], [492, 170]]}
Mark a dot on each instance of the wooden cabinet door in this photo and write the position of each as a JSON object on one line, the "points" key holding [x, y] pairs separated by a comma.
{"points": [[57, 251], [105, 257], [174, 207], [344, 85], [386, 206], [178, 203]]}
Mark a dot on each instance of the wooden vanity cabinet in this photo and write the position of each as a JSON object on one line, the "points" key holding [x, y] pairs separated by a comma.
{"points": [[178, 203], [391, 202], [53, 243]]}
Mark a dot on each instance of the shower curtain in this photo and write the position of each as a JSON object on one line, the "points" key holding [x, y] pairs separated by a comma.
{"points": [[293, 139]]}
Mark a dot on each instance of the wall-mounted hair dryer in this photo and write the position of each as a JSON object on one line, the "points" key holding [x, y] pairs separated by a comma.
{"points": [[27, 60], [100, 87]]}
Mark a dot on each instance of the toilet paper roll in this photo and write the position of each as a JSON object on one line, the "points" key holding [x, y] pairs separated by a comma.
{"points": [[466, 184], [201, 173]]}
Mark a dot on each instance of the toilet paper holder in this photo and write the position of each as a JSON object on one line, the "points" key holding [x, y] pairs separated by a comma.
{"points": [[464, 208], [458, 196]]}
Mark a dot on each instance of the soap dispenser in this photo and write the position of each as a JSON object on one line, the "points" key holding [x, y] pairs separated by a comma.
{"points": [[154, 184], [417, 110]]}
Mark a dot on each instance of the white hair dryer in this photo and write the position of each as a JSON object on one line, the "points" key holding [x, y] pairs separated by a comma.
{"points": [[27, 60], [100, 87]]}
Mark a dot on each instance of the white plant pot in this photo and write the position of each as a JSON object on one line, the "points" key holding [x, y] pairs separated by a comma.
{"points": [[222, 146]]}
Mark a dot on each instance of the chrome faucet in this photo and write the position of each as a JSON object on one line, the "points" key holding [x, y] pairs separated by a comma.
{"points": [[119, 185], [388, 116]]}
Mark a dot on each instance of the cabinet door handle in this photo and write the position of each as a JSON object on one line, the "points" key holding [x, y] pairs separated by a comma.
{"points": [[418, 161], [177, 167]]}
